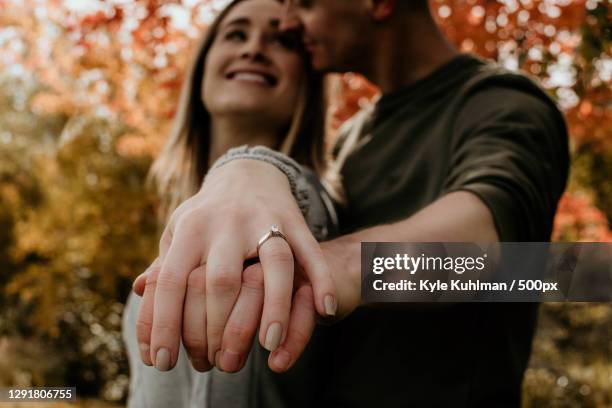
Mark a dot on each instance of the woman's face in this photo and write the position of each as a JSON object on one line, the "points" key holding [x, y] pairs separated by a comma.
{"points": [[251, 67]]}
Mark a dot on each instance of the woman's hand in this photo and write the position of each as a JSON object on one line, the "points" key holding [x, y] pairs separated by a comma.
{"points": [[216, 231], [242, 324], [246, 314]]}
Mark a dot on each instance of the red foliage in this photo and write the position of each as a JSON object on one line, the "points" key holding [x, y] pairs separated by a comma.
{"points": [[579, 220], [139, 80]]}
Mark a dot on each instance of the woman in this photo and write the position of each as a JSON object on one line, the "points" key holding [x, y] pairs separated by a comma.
{"points": [[251, 84]]}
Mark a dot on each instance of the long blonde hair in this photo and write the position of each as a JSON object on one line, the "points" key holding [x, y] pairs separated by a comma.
{"points": [[179, 170]]}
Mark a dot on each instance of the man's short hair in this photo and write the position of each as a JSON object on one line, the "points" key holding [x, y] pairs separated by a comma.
{"points": [[413, 5], [417, 3]]}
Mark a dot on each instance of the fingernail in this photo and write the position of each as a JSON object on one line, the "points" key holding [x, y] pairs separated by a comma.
{"points": [[162, 359], [230, 361], [144, 353], [199, 364], [273, 336], [282, 359], [330, 305]]}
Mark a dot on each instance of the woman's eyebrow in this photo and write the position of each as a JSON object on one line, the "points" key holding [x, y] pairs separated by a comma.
{"points": [[242, 21], [237, 21]]}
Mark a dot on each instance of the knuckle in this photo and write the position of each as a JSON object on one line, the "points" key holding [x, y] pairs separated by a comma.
{"points": [[185, 224], [236, 332], [222, 279], [305, 298], [169, 280], [278, 303], [151, 278], [195, 345], [252, 277], [152, 273], [196, 282], [150, 285], [143, 330], [300, 338], [165, 327], [215, 333], [189, 220]]}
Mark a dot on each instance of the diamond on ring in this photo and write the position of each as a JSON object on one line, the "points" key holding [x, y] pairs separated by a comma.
{"points": [[274, 232]]}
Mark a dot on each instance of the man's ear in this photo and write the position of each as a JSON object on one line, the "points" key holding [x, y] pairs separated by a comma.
{"points": [[381, 9]]}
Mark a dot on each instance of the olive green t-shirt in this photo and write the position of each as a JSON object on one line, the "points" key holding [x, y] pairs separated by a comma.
{"points": [[467, 126]]}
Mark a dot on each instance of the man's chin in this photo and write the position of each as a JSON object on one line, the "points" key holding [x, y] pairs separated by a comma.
{"points": [[323, 67]]}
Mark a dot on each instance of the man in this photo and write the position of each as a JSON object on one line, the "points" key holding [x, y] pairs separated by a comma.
{"points": [[454, 151]]}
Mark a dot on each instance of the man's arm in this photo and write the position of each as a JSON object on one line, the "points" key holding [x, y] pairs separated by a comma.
{"points": [[459, 216]]}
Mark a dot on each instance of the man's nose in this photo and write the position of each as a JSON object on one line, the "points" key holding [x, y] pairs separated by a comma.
{"points": [[289, 19]]}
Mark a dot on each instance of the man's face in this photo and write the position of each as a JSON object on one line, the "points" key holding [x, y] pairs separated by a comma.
{"points": [[336, 33]]}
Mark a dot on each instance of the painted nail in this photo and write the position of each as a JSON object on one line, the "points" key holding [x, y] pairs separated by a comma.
{"points": [[282, 359], [330, 305], [273, 336], [230, 361], [162, 359], [144, 353]]}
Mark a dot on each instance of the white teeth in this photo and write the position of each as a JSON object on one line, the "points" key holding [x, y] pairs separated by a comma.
{"points": [[251, 77]]}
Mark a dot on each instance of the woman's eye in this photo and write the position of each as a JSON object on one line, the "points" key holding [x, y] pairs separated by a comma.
{"points": [[235, 35]]}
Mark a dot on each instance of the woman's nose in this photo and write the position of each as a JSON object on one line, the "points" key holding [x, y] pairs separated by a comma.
{"points": [[255, 49]]}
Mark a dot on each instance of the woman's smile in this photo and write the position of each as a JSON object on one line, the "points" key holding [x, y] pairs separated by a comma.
{"points": [[253, 76]]}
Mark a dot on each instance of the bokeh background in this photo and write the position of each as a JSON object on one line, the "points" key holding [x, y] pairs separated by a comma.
{"points": [[88, 89]]}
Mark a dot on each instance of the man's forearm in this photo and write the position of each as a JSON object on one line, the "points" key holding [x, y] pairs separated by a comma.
{"points": [[457, 217]]}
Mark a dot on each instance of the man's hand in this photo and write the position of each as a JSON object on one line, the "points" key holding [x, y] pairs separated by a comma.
{"points": [[339, 254], [215, 232]]}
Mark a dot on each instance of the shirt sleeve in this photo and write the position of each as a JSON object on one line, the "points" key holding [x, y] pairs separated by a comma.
{"points": [[510, 148]]}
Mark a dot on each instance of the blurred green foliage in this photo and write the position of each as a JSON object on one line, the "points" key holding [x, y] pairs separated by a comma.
{"points": [[571, 363], [77, 223]]}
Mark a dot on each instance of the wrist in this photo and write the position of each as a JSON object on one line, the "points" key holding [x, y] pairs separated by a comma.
{"points": [[344, 255], [286, 165]]}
